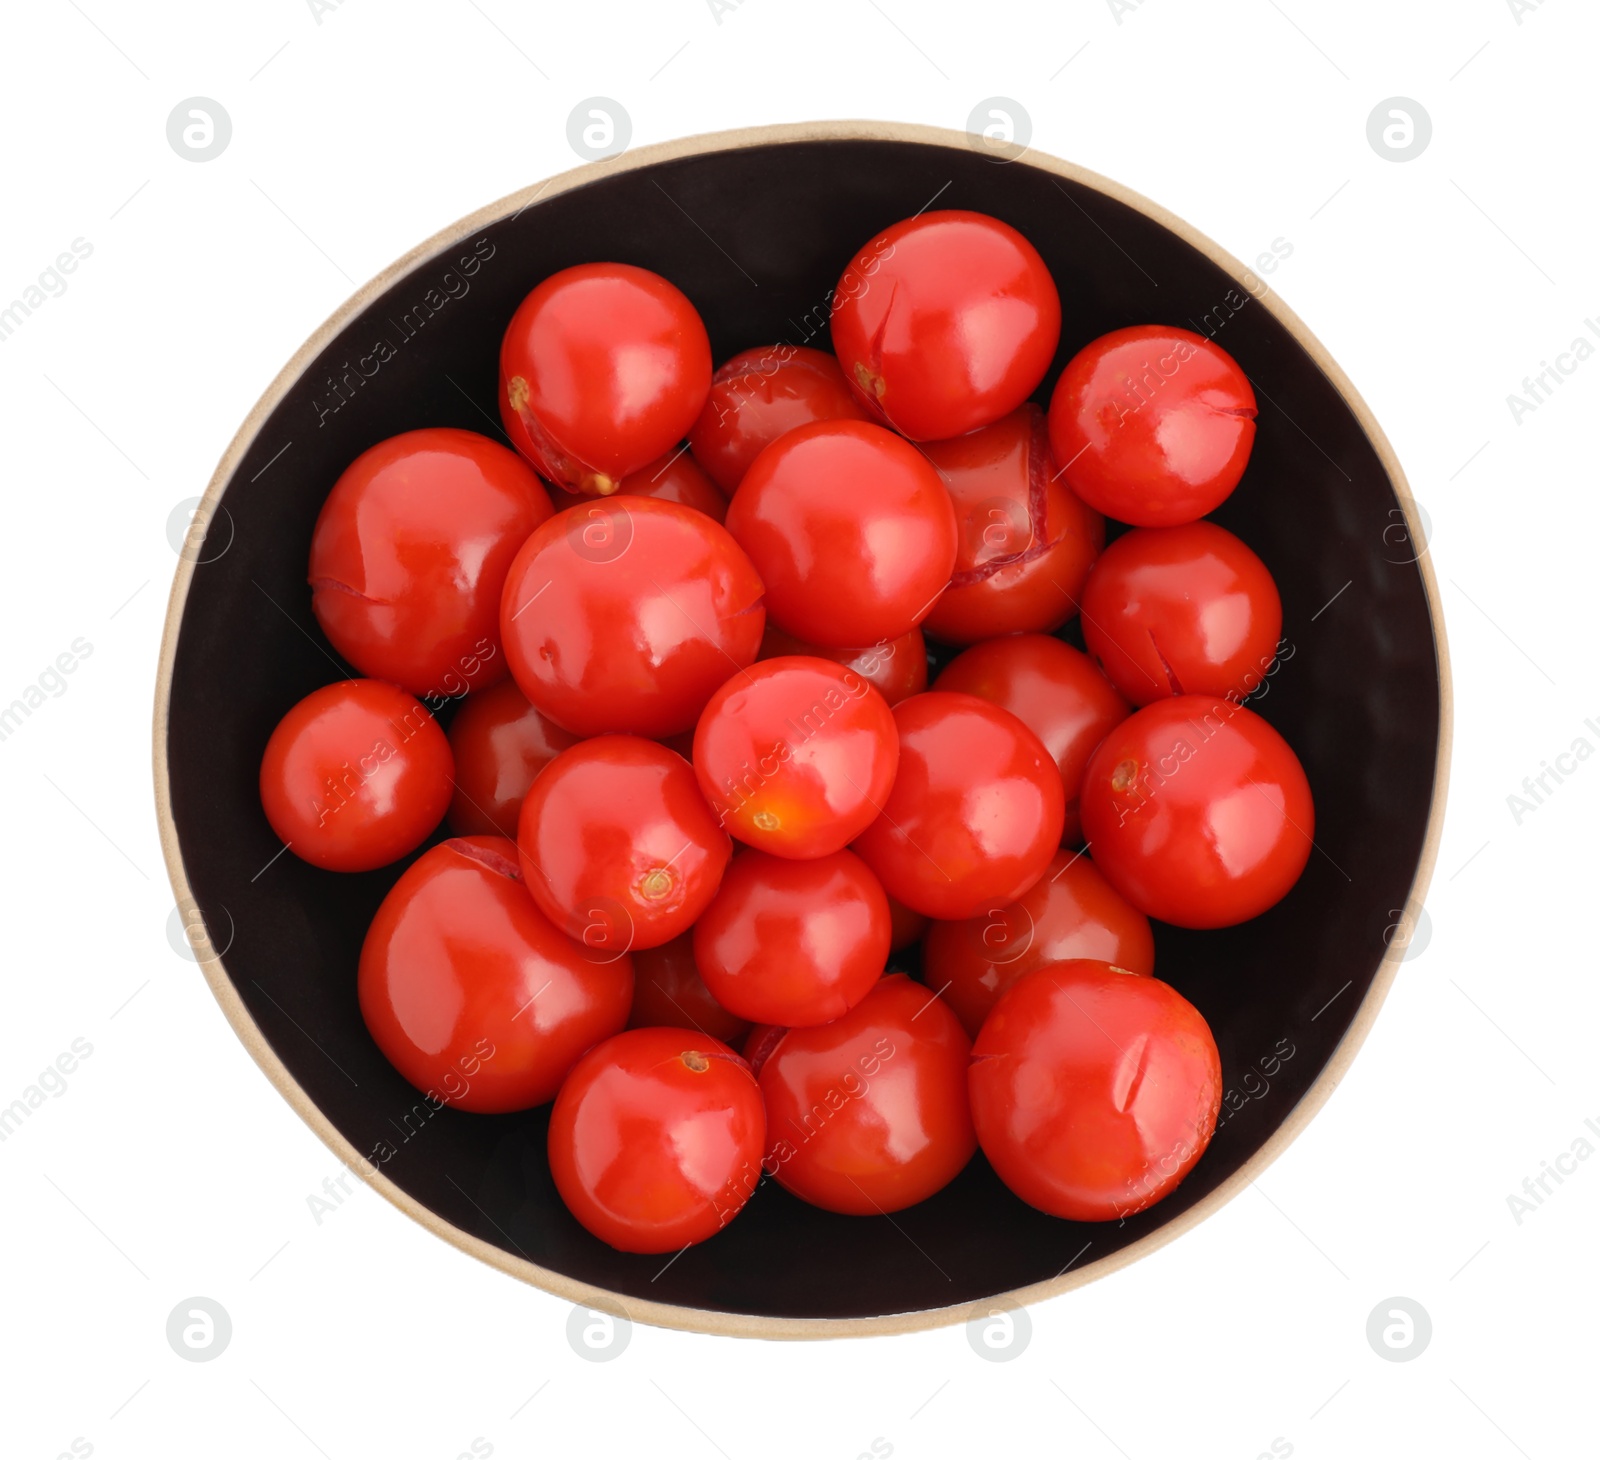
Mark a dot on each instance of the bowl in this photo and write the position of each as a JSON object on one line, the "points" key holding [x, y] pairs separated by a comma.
{"points": [[755, 226]]}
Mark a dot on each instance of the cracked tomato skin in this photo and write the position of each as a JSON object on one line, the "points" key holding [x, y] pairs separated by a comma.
{"points": [[1026, 543], [500, 743], [1182, 610], [1070, 912], [625, 616], [975, 813], [656, 1139], [618, 846], [1198, 811], [868, 1114], [945, 322], [796, 755], [676, 478], [1094, 1091], [472, 993], [793, 942], [1153, 425], [356, 775], [1055, 690], [410, 553], [668, 990], [603, 368], [758, 395], [851, 530]]}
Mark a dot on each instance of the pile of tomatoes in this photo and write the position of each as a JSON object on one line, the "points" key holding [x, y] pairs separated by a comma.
{"points": [[701, 793]]}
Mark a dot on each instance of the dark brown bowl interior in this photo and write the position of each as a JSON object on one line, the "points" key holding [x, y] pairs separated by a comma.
{"points": [[756, 234]]}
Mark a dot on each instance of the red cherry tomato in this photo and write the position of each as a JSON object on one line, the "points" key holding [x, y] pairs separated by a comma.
{"points": [[1182, 611], [905, 926], [676, 478], [618, 845], [975, 812], [472, 993], [850, 529], [656, 1139], [500, 743], [945, 322], [668, 990], [787, 942], [624, 616], [603, 368], [1153, 425], [1070, 912], [868, 1114], [410, 553], [1026, 544], [1094, 1092], [1198, 812], [757, 396], [355, 776], [1054, 690], [797, 755], [897, 669]]}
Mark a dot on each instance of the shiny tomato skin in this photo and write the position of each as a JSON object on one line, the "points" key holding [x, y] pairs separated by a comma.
{"points": [[1146, 444], [668, 991], [410, 553], [797, 755], [618, 846], [356, 775], [656, 1139], [1198, 811], [851, 530], [1026, 543], [472, 993], [623, 616], [1094, 1091], [603, 368], [945, 322], [1182, 610], [1055, 690], [793, 942], [676, 478], [975, 812], [868, 1114], [500, 743], [1070, 912], [897, 669], [759, 394]]}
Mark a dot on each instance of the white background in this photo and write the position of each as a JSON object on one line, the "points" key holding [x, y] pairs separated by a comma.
{"points": [[169, 1168]]}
